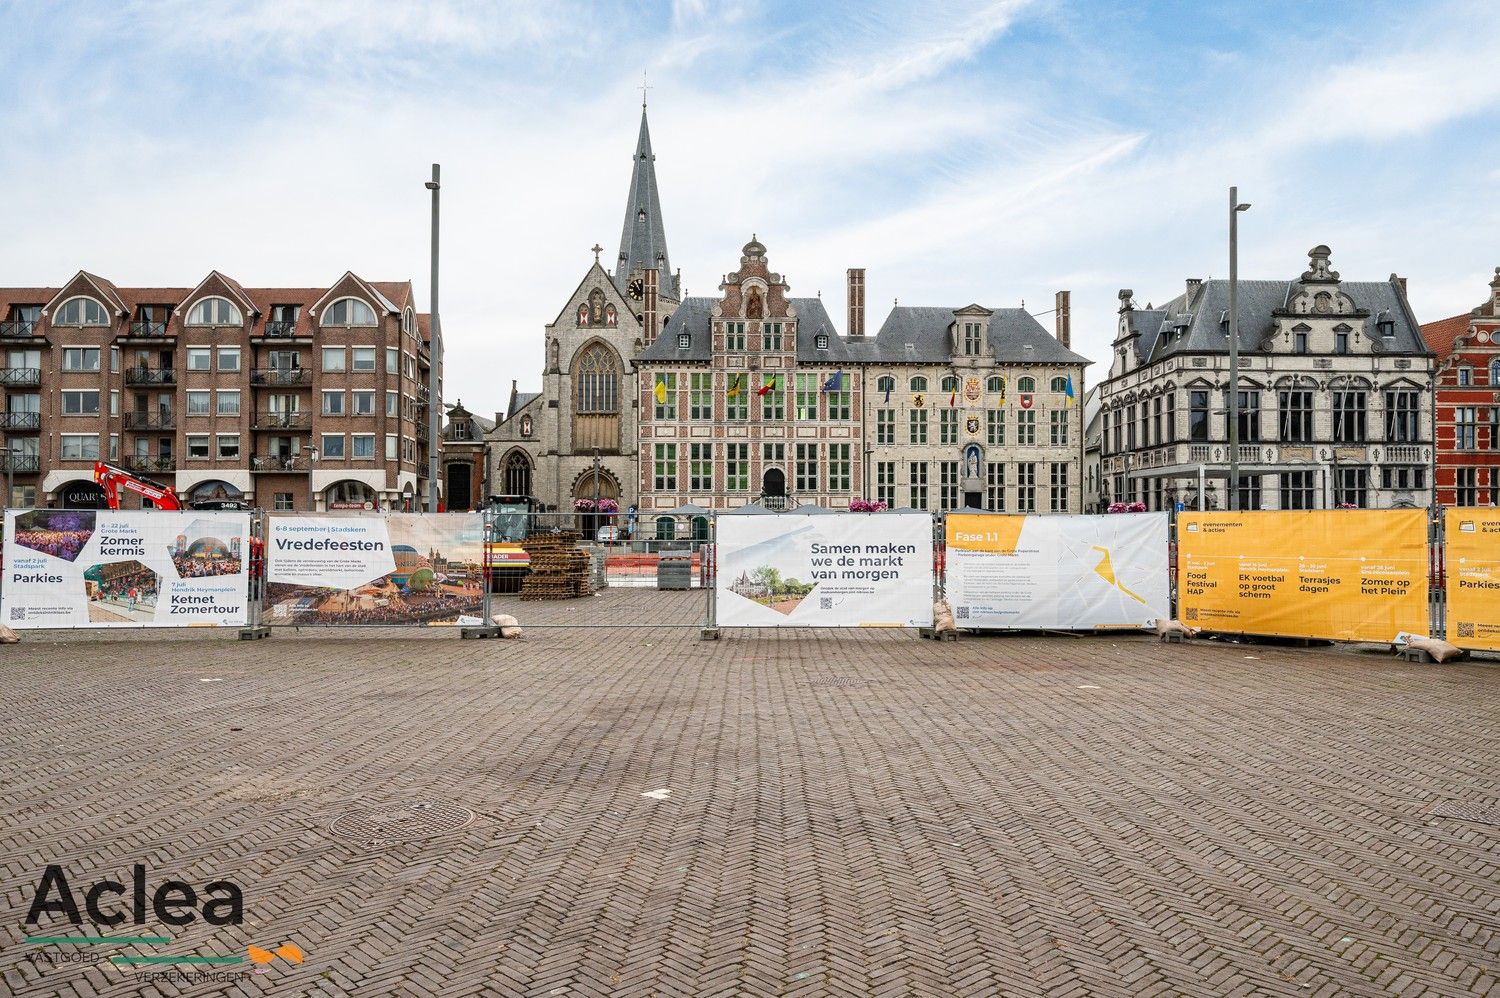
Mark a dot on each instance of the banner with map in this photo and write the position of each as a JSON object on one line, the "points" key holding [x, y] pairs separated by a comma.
{"points": [[825, 570], [125, 568], [374, 569], [1072, 573], [1472, 562]]}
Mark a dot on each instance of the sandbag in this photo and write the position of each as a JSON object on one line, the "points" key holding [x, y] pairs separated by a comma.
{"points": [[942, 617], [8, 636], [510, 632], [1165, 628], [1440, 650], [504, 620]]}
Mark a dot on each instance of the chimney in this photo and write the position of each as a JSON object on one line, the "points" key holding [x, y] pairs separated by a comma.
{"points": [[1400, 282], [856, 302], [1063, 317], [648, 316], [1193, 285]]}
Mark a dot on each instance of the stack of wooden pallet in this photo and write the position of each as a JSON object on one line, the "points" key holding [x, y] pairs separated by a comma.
{"points": [[559, 570]]}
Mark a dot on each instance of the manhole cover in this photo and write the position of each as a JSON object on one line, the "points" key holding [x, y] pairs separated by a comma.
{"points": [[1487, 814], [401, 822]]}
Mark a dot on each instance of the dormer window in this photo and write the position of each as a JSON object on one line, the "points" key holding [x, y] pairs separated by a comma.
{"points": [[214, 312], [821, 341], [972, 339], [348, 312], [684, 340], [81, 312]]}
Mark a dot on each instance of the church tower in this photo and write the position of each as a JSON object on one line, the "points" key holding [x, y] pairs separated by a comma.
{"points": [[643, 239]]}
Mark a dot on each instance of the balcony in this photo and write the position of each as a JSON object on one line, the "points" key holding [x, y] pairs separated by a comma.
{"points": [[280, 376], [148, 420], [20, 421], [281, 329], [21, 464], [142, 329], [150, 376], [281, 463], [22, 376], [17, 328], [149, 465], [282, 421], [1403, 454]]}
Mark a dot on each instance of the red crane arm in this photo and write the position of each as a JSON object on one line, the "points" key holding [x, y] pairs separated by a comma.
{"points": [[112, 479]]}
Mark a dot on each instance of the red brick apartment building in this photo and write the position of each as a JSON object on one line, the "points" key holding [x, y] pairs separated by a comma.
{"points": [[290, 398], [1468, 403]]}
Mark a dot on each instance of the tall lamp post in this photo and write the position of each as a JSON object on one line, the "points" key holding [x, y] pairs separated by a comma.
{"points": [[435, 357], [1235, 207]]}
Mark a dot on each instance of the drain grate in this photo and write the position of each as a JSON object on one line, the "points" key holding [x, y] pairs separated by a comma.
{"points": [[1487, 814], [401, 822], [836, 682]]}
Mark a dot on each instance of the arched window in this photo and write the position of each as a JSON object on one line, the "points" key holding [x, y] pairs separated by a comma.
{"points": [[516, 474], [918, 384], [214, 312], [1495, 374], [885, 383], [348, 493], [996, 384], [409, 322], [1060, 385], [348, 312], [666, 528], [950, 383], [81, 312], [1026, 385], [598, 380]]}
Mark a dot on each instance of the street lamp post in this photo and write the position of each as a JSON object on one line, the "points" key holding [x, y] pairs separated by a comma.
{"points": [[435, 358], [1235, 207], [868, 451]]}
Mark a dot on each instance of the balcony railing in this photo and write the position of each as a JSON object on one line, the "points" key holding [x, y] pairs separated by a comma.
{"points": [[20, 463], [282, 420], [150, 376], [145, 329], [279, 462], [1403, 454], [147, 465], [147, 420], [280, 376], [18, 327], [20, 376], [20, 420], [279, 329]]}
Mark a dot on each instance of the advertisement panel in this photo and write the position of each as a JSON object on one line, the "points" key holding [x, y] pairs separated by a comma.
{"points": [[374, 568], [1345, 575], [1473, 583], [126, 568], [825, 570], [1059, 572]]}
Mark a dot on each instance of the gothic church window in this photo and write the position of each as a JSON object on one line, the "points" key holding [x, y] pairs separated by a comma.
{"points": [[598, 381]]}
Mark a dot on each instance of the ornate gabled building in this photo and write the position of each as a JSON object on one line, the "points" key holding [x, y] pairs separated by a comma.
{"points": [[1335, 396], [1468, 403], [576, 439]]}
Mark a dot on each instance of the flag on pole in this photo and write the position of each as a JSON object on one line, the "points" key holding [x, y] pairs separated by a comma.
{"points": [[1070, 390], [1002, 389], [736, 382], [889, 384], [769, 386], [953, 399], [661, 390], [834, 383]]}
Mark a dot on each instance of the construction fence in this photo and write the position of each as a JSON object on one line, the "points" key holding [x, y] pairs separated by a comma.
{"points": [[1342, 575]]}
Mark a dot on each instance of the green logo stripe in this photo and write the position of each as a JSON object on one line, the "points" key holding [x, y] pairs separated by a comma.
{"points": [[97, 940]]}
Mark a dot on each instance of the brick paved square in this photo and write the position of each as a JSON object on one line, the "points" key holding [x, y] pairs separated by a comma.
{"points": [[846, 813]]}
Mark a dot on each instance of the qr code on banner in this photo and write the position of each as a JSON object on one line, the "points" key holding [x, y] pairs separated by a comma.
{"points": [[1191, 613], [825, 602], [17, 613], [963, 613], [1466, 630]]}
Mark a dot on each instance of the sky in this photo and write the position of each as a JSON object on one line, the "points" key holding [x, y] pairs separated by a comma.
{"points": [[959, 151]]}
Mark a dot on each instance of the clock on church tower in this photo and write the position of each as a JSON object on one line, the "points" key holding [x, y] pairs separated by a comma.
{"points": [[636, 288]]}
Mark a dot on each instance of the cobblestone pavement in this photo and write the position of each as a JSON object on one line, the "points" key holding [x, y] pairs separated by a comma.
{"points": [[845, 813]]}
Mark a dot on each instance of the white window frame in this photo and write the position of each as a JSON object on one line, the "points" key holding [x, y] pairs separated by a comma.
{"points": [[58, 319], [85, 370], [62, 446], [223, 352], [229, 315], [343, 408], [354, 446], [206, 440], [343, 363], [323, 446], [221, 395], [354, 397], [354, 358], [207, 354], [63, 401], [219, 454], [208, 402], [326, 318]]}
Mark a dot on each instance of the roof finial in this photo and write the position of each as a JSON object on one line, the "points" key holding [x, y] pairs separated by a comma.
{"points": [[597, 250], [644, 88]]}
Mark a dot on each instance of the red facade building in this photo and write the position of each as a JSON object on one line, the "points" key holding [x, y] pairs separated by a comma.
{"points": [[1468, 403]]}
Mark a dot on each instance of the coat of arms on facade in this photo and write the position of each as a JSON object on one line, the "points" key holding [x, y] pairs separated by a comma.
{"points": [[971, 390]]}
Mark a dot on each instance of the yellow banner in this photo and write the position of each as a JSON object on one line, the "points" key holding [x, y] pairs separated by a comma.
{"points": [[1346, 575], [1473, 567]]}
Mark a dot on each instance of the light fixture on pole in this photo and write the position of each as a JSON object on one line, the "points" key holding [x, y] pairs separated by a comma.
{"points": [[1235, 207], [435, 358]]}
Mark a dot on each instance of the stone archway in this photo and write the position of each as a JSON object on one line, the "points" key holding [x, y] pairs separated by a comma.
{"points": [[589, 487]]}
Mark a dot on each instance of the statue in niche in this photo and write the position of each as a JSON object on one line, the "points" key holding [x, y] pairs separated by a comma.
{"points": [[753, 307]]}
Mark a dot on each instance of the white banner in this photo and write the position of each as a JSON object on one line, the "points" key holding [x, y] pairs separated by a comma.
{"points": [[825, 570], [1061, 572], [375, 568], [125, 568]]}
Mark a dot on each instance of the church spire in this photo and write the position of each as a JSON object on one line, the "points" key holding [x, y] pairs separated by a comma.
{"points": [[643, 241]]}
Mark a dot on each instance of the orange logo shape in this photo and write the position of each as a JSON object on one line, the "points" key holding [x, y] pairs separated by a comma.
{"points": [[287, 952]]}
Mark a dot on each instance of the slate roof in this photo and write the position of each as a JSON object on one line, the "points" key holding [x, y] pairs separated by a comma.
{"points": [[644, 240], [521, 400], [1202, 324], [694, 318]]}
